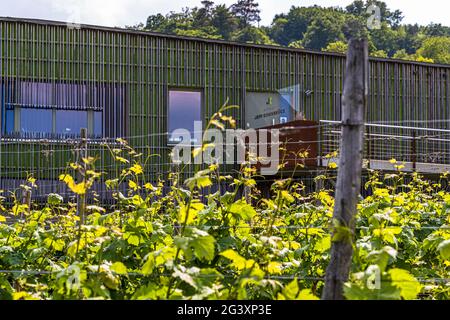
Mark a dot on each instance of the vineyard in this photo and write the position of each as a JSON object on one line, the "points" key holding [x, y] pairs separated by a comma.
{"points": [[183, 244]]}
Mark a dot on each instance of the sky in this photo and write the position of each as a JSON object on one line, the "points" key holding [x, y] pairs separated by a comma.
{"points": [[118, 13]]}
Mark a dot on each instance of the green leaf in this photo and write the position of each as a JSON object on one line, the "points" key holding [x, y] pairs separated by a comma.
{"points": [[200, 180], [444, 249], [243, 210], [354, 291], [199, 243], [408, 285], [238, 261], [132, 239], [287, 196], [388, 234], [203, 247], [72, 249], [290, 291], [194, 208], [112, 183], [123, 160], [218, 124], [323, 244], [133, 185], [119, 268], [184, 276], [54, 199], [149, 264], [274, 267], [382, 257], [306, 294]]}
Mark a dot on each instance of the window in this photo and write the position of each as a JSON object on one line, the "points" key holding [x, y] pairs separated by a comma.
{"points": [[184, 109], [98, 124], [9, 121], [45, 108], [70, 122], [266, 109], [36, 120]]}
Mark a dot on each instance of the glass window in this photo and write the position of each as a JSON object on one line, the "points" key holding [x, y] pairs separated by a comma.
{"points": [[70, 121], [62, 108], [9, 121], [36, 120], [184, 110], [98, 123]]}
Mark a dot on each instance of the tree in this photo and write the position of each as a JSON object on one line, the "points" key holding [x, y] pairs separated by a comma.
{"points": [[296, 44], [203, 16], [322, 31], [378, 54], [338, 46], [359, 8], [208, 6], [139, 26], [224, 21], [197, 34], [247, 12], [436, 48], [437, 30], [385, 39], [312, 27], [403, 55], [156, 22], [290, 27], [252, 34]]}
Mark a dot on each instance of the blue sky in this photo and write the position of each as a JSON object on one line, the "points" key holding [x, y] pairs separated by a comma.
{"points": [[129, 12]]}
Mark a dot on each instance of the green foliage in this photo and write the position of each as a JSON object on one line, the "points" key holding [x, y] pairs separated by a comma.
{"points": [[323, 30], [296, 44], [359, 8], [401, 54], [181, 244], [378, 54], [338, 46], [252, 35], [246, 11], [313, 27], [178, 247], [224, 21], [436, 48]]}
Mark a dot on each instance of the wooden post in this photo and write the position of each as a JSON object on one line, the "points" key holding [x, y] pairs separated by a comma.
{"points": [[348, 186], [81, 199]]}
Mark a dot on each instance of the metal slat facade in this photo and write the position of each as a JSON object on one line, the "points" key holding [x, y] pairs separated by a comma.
{"points": [[143, 67]]}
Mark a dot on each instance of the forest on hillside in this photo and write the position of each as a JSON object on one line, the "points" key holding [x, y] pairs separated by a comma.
{"points": [[315, 27]]}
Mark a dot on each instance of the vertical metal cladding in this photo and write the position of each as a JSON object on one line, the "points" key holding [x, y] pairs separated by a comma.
{"points": [[133, 72]]}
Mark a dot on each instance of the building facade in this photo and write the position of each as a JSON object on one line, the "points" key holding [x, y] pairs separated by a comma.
{"points": [[56, 79]]}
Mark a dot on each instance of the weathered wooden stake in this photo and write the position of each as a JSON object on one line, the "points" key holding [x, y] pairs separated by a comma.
{"points": [[348, 186], [81, 198]]}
